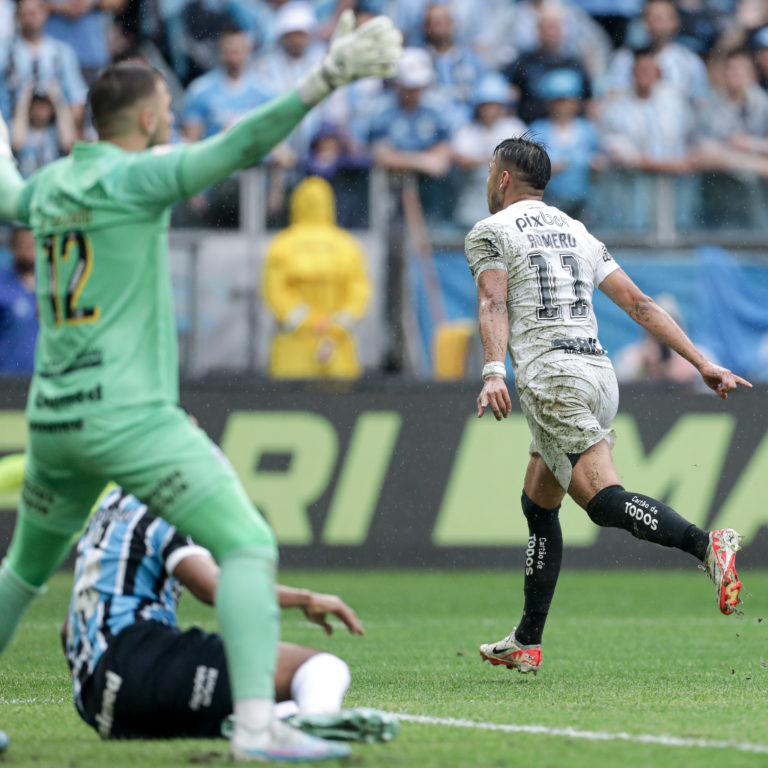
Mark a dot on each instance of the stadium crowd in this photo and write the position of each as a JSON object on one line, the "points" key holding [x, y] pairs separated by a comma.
{"points": [[630, 97], [640, 88]]}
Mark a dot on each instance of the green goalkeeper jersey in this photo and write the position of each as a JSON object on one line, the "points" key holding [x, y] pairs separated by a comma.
{"points": [[100, 217], [107, 326]]}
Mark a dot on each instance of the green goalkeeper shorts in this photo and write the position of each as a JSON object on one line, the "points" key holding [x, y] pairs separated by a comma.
{"points": [[157, 454]]}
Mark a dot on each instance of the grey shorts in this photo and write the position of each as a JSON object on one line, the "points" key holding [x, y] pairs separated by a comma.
{"points": [[569, 406]]}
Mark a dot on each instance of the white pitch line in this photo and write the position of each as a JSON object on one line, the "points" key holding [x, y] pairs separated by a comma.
{"points": [[573, 733]]}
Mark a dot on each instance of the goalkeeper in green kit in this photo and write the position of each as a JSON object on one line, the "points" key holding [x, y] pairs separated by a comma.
{"points": [[103, 400]]}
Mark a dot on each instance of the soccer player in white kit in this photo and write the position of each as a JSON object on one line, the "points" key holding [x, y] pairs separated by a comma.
{"points": [[536, 269]]}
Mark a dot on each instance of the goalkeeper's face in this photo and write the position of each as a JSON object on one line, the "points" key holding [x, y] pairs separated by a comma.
{"points": [[163, 115]]}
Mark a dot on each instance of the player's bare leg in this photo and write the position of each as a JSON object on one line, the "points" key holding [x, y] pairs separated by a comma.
{"points": [[541, 498], [596, 486], [541, 485], [593, 472]]}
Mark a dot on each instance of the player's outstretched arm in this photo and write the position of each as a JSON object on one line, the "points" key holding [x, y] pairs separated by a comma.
{"points": [[372, 49], [494, 330], [11, 183], [199, 573], [620, 289]]}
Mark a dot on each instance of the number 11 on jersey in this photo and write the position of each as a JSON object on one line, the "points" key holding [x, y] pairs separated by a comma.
{"points": [[549, 308]]}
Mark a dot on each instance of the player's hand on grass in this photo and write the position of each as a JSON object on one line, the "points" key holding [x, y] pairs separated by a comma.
{"points": [[494, 395], [371, 50], [720, 379], [319, 606]]}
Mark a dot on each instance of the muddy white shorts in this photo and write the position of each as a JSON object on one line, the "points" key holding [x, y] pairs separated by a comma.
{"points": [[570, 405]]}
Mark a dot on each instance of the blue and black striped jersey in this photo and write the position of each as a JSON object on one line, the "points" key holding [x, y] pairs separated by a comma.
{"points": [[123, 574]]}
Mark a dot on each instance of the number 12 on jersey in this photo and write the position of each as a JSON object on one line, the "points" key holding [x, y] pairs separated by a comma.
{"points": [[72, 249]]}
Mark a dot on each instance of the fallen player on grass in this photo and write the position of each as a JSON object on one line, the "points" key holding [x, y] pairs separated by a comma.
{"points": [[137, 675]]}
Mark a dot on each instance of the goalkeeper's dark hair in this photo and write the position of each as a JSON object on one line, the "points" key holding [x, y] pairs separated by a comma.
{"points": [[118, 87], [526, 158]]}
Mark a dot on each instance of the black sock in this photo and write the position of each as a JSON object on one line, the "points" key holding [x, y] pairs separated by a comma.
{"points": [[648, 519], [543, 556]]}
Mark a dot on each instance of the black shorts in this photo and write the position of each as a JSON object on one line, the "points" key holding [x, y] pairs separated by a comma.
{"points": [[155, 681]]}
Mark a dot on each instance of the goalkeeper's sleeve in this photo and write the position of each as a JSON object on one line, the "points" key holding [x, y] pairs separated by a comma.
{"points": [[244, 144]]}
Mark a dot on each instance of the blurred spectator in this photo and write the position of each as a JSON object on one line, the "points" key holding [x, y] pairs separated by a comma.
{"points": [[194, 33], [678, 65], [42, 129], [471, 19], [514, 30], [130, 19], [759, 45], [698, 25], [613, 16], [336, 158], [732, 116], [526, 72], [315, 282], [219, 98], [214, 102], [648, 130], [746, 18], [193, 27], [18, 314], [649, 126], [650, 360], [297, 50], [259, 18], [409, 135], [733, 126], [474, 142], [571, 141], [352, 108], [458, 70], [35, 57], [7, 12], [84, 24]]}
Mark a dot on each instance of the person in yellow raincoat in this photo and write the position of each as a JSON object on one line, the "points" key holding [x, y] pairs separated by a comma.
{"points": [[315, 282]]}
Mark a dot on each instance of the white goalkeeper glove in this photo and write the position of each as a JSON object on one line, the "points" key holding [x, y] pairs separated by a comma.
{"points": [[372, 49]]}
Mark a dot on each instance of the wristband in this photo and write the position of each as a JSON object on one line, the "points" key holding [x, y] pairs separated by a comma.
{"points": [[494, 368]]}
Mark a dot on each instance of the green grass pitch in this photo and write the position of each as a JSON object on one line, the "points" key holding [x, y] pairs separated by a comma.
{"points": [[625, 652]]}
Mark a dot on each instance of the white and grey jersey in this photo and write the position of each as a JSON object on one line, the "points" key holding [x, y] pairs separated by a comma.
{"points": [[553, 266]]}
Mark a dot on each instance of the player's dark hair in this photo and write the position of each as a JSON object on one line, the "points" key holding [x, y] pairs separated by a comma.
{"points": [[526, 157], [118, 87]]}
